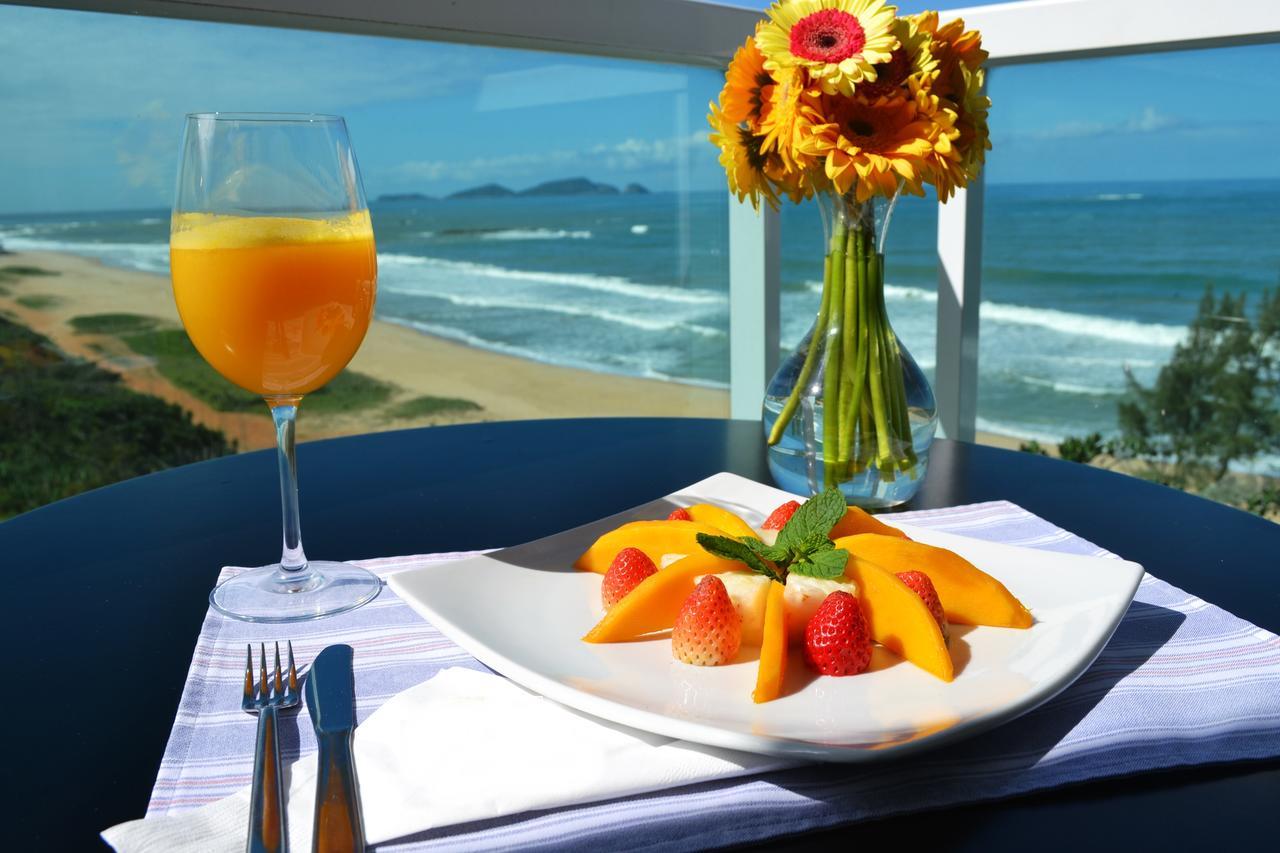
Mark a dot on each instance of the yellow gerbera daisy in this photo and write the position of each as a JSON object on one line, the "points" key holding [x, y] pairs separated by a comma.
{"points": [[789, 118], [870, 145], [945, 160], [746, 85], [975, 137], [839, 42], [744, 163]]}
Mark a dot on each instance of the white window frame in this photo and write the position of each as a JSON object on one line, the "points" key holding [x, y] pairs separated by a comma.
{"points": [[692, 32]]}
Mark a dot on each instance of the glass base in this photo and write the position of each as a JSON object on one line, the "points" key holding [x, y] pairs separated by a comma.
{"points": [[269, 594]]}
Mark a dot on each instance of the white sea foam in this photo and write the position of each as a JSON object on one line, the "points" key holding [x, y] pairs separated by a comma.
{"points": [[147, 257], [1070, 387], [1020, 430], [584, 281], [572, 310], [640, 229], [1064, 322], [1118, 197], [535, 234], [1087, 325], [892, 292], [645, 370]]}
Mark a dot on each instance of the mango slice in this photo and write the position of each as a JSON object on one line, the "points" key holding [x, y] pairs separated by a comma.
{"points": [[898, 618], [731, 524], [969, 595], [773, 648], [654, 603], [857, 520], [655, 538]]}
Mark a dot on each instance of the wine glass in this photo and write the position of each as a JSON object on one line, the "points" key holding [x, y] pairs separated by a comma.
{"points": [[274, 272]]}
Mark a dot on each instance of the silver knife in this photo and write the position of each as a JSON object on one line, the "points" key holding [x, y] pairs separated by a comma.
{"points": [[330, 692]]}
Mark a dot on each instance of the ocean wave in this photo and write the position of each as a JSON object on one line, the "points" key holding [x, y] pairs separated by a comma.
{"points": [[1118, 197], [640, 229], [463, 336], [535, 234], [892, 292], [147, 257], [1063, 322], [1085, 325], [584, 281], [571, 310], [1026, 431], [1069, 387]]}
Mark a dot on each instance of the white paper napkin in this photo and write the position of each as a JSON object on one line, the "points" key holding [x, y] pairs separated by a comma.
{"points": [[460, 747]]}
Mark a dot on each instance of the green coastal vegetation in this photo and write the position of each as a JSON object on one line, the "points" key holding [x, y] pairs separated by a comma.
{"points": [[1215, 404], [67, 426], [421, 407], [178, 361]]}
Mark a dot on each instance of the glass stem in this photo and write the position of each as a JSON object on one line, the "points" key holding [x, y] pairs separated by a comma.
{"points": [[284, 411]]}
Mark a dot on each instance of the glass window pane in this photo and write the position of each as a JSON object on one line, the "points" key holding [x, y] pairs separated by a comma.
{"points": [[1114, 201], [552, 229]]}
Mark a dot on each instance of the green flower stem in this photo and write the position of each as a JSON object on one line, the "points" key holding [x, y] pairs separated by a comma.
{"points": [[876, 373], [865, 449], [831, 358], [810, 359], [848, 343], [864, 351], [905, 451]]}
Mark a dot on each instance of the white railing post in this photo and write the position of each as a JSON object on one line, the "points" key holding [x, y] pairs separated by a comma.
{"points": [[959, 295], [754, 288]]}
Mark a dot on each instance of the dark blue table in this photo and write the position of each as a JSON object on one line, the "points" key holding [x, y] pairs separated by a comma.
{"points": [[108, 590]]}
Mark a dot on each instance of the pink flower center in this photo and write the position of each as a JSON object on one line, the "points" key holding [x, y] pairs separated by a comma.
{"points": [[827, 36]]}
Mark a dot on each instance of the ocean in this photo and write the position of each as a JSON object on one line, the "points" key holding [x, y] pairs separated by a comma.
{"points": [[1081, 282]]}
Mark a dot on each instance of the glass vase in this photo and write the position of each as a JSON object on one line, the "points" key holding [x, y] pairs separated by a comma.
{"points": [[849, 407]]}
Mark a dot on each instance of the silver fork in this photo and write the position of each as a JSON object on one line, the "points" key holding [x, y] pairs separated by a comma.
{"points": [[266, 816]]}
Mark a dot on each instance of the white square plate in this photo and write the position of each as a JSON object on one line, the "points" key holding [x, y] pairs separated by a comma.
{"points": [[522, 611]]}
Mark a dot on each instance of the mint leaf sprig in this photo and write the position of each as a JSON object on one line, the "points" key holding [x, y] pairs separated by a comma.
{"points": [[803, 545]]}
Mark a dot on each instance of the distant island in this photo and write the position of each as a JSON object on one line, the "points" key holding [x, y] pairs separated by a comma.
{"points": [[485, 191], [564, 186], [391, 197]]}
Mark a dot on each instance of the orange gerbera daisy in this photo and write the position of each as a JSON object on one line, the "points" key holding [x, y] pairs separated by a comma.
{"points": [[954, 48], [746, 86], [912, 59], [871, 145], [745, 164], [955, 90]]}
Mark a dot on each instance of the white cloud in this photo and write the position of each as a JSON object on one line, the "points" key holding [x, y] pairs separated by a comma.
{"points": [[1150, 120], [629, 155]]}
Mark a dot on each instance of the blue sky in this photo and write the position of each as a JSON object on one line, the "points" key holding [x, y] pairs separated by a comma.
{"points": [[94, 104]]}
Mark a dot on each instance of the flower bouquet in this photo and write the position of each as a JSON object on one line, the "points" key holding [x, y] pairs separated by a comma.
{"points": [[852, 103]]}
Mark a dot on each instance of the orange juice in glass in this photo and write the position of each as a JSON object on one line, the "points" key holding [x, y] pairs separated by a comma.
{"points": [[272, 256], [278, 305]]}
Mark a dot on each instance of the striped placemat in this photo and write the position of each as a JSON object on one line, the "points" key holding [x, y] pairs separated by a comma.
{"points": [[1181, 682]]}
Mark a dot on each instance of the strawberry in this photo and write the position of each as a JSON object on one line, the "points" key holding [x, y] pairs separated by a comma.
{"points": [[680, 514], [837, 640], [779, 517], [708, 630], [628, 568], [921, 585]]}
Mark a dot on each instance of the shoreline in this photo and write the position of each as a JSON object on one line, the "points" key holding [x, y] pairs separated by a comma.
{"points": [[417, 363], [505, 387]]}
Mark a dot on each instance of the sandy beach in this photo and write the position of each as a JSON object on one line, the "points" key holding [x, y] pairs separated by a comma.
{"points": [[504, 387]]}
